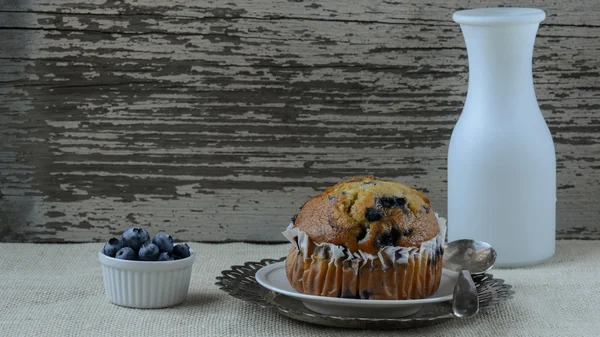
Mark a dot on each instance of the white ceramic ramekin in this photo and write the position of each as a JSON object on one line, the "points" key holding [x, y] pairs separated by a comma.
{"points": [[146, 284]]}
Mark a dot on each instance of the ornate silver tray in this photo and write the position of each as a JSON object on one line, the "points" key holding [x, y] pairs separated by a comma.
{"points": [[239, 282]]}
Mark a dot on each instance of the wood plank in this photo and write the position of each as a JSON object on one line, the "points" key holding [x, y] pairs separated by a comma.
{"points": [[217, 120]]}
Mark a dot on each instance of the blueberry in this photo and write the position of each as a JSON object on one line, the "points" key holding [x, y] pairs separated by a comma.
{"points": [[361, 235], [398, 254], [345, 251], [126, 253], [387, 202], [401, 202], [365, 294], [294, 218], [384, 240], [395, 235], [164, 256], [372, 214], [426, 208], [134, 237], [149, 252], [164, 242], [181, 251], [112, 247]]}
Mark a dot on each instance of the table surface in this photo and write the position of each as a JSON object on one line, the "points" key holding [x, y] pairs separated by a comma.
{"points": [[57, 290]]}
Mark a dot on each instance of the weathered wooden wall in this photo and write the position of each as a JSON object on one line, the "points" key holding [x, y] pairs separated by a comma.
{"points": [[216, 119]]}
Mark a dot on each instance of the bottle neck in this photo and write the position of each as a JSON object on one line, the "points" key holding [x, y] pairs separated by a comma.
{"points": [[500, 62]]}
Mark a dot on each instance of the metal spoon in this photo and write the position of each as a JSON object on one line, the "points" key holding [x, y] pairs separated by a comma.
{"points": [[475, 256], [467, 257]]}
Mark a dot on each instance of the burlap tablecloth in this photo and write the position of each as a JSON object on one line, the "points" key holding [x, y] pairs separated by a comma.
{"points": [[57, 290]]}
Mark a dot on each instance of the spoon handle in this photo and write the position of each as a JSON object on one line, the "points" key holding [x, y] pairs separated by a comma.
{"points": [[465, 302]]}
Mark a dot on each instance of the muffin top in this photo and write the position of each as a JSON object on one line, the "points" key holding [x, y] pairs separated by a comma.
{"points": [[368, 214]]}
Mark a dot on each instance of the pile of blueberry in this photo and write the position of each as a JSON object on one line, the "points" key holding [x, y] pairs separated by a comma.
{"points": [[135, 244]]}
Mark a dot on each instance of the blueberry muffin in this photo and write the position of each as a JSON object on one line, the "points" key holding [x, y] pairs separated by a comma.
{"points": [[366, 238]]}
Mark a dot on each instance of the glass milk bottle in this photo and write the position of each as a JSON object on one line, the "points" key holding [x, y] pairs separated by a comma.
{"points": [[501, 160]]}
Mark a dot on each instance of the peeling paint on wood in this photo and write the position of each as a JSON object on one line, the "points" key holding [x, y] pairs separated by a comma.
{"points": [[216, 120]]}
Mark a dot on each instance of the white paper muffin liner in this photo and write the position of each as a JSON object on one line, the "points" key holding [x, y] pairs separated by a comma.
{"points": [[388, 256]]}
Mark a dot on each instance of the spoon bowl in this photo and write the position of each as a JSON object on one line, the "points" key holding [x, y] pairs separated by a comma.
{"points": [[475, 256]]}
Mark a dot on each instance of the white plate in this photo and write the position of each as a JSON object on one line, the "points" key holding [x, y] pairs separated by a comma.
{"points": [[273, 278]]}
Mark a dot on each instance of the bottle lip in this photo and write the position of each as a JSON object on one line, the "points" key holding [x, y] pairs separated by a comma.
{"points": [[499, 16]]}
